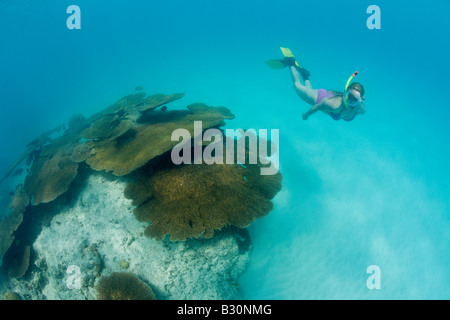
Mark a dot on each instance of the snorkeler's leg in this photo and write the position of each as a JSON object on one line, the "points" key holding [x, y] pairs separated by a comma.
{"points": [[304, 91], [297, 78], [307, 84]]}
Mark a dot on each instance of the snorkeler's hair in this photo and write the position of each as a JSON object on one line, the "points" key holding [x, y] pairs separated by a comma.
{"points": [[354, 85], [358, 87]]}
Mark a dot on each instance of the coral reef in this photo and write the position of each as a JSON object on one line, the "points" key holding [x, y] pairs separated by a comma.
{"points": [[148, 140], [10, 223], [76, 122], [53, 171], [108, 127], [191, 201], [120, 107], [31, 150], [123, 286], [81, 152], [56, 162], [157, 100], [76, 206], [20, 265], [118, 140], [98, 228]]}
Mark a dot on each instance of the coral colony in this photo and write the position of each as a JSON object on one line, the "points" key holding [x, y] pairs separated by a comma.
{"points": [[134, 141]]}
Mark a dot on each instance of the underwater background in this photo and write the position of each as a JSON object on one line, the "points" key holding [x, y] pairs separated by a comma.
{"points": [[373, 191]]}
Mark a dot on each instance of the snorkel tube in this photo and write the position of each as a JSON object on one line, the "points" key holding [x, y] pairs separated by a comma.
{"points": [[346, 87]]}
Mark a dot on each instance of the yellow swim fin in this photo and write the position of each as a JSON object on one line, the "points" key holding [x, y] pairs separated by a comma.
{"points": [[281, 63], [275, 64], [288, 54]]}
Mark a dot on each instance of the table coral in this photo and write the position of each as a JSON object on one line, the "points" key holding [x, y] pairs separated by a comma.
{"points": [[192, 201], [9, 224], [157, 100], [149, 140], [20, 265], [53, 171]]}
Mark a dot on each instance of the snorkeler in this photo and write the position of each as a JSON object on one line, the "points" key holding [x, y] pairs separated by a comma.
{"points": [[339, 105]]}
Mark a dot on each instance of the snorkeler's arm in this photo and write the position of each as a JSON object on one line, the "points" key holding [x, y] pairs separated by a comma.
{"points": [[322, 106], [312, 110], [362, 109]]}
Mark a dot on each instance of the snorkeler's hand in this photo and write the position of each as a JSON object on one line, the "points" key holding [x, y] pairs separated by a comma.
{"points": [[305, 116]]}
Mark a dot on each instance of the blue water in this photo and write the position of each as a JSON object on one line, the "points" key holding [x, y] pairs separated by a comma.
{"points": [[374, 191]]}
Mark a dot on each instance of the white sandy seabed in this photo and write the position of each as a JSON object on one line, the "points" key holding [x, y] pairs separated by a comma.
{"points": [[99, 231]]}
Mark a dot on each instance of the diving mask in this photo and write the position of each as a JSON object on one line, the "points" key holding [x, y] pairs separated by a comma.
{"points": [[351, 99]]}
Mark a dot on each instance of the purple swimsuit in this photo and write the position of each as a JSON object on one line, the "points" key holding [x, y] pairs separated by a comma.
{"points": [[323, 94]]}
